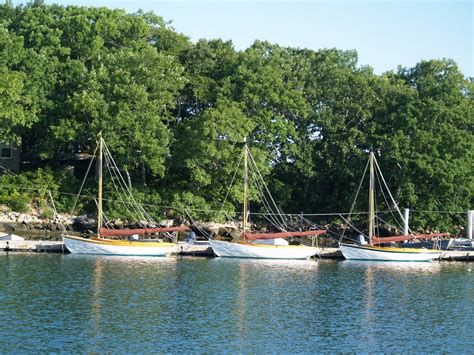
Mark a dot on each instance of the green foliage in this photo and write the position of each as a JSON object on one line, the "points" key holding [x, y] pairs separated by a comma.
{"points": [[47, 212], [174, 115], [27, 189]]}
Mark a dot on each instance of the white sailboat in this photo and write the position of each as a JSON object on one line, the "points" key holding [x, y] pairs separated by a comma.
{"points": [[122, 241], [264, 245], [373, 250]]}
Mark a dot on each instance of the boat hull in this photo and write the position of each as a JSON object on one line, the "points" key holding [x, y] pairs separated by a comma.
{"points": [[102, 246], [256, 251], [367, 252]]}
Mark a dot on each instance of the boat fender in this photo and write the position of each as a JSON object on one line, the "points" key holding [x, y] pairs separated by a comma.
{"points": [[361, 239]]}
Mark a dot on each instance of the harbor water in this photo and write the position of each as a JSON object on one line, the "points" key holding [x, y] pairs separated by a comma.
{"points": [[95, 304]]}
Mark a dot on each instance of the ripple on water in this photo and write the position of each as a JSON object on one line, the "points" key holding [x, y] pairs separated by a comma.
{"points": [[68, 303]]}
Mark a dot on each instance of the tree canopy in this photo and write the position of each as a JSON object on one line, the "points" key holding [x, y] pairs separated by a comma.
{"points": [[175, 113]]}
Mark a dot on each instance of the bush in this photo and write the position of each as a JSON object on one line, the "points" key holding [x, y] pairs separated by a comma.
{"points": [[19, 191], [47, 213], [18, 202]]}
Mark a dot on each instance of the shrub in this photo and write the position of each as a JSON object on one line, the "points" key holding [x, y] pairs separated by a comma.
{"points": [[47, 213]]}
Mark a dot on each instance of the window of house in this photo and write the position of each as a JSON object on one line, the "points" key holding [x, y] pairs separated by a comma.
{"points": [[6, 153]]}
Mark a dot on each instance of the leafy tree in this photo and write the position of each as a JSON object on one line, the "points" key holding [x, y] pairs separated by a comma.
{"points": [[17, 104]]}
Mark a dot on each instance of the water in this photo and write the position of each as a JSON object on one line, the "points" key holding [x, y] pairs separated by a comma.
{"points": [[68, 303]]}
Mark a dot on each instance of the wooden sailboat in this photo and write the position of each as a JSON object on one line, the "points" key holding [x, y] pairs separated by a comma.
{"points": [[263, 245], [107, 241], [373, 250]]}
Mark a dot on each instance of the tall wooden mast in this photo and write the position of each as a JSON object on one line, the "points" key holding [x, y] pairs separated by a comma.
{"points": [[244, 227], [371, 199], [99, 212]]}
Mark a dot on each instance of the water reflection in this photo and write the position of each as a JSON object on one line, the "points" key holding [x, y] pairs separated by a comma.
{"points": [[107, 260], [395, 266], [96, 309], [122, 304], [268, 264]]}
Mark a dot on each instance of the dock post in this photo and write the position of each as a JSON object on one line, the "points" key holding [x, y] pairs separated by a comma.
{"points": [[406, 215], [470, 222]]}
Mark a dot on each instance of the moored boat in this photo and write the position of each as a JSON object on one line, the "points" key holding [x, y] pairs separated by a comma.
{"points": [[264, 245], [373, 250], [138, 247], [378, 253], [274, 247], [160, 241]]}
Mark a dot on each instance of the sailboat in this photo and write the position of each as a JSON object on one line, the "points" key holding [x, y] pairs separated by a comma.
{"points": [[122, 241], [372, 250], [263, 245]]}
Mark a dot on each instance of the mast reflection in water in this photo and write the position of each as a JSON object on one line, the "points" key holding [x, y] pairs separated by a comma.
{"points": [[55, 303]]}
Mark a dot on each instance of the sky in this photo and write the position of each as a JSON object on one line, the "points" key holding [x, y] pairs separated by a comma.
{"points": [[384, 33]]}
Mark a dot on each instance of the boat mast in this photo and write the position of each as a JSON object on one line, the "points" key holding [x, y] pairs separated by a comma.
{"points": [[99, 212], [244, 227], [371, 198]]}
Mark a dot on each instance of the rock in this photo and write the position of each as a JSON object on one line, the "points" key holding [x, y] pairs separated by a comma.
{"points": [[21, 228], [235, 235], [8, 227], [166, 223], [119, 223], [84, 223], [223, 231]]}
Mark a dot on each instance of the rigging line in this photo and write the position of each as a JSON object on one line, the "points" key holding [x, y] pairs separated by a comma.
{"points": [[321, 214], [388, 190], [107, 221], [259, 190], [207, 235], [113, 172], [56, 212], [84, 180], [117, 189], [387, 223], [230, 186], [263, 181], [354, 227], [273, 218], [136, 207], [447, 212], [386, 201], [388, 205], [278, 220], [278, 227], [376, 228], [262, 196], [355, 198], [329, 232], [230, 218], [108, 164], [124, 185], [90, 197], [267, 206]]}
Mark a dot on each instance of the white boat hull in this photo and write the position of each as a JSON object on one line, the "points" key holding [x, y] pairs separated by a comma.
{"points": [[247, 250], [367, 252], [78, 245], [10, 237]]}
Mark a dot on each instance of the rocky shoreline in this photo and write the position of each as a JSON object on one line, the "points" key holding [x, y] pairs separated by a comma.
{"points": [[34, 227], [29, 225]]}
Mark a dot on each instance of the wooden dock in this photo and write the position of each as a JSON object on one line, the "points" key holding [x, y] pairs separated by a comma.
{"points": [[39, 246], [458, 255], [202, 249]]}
